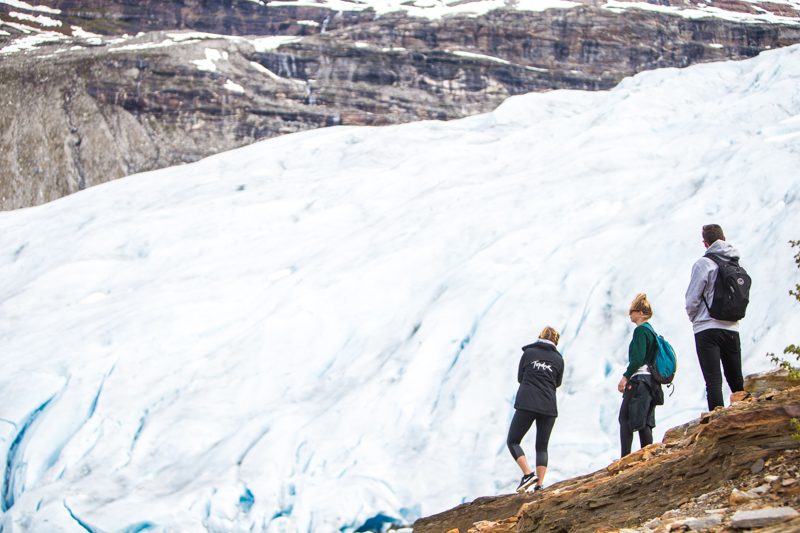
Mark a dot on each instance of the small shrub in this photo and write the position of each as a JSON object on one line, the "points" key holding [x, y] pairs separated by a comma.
{"points": [[795, 423], [794, 372]]}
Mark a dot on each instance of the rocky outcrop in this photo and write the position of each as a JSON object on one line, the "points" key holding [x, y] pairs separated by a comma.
{"points": [[775, 380], [710, 474], [81, 110]]}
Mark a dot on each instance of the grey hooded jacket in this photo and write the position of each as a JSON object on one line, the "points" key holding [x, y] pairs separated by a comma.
{"points": [[704, 274]]}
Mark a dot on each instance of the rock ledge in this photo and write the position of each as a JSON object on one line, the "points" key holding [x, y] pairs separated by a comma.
{"points": [[730, 469]]}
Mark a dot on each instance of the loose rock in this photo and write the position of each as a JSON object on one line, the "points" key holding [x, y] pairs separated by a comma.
{"points": [[762, 517], [653, 524], [761, 489], [739, 496], [739, 396], [698, 523]]}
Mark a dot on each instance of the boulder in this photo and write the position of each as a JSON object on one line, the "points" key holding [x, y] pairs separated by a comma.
{"points": [[777, 379], [698, 523], [763, 517]]}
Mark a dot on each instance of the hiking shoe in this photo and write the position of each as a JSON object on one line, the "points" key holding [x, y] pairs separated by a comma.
{"points": [[527, 481], [537, 488]]}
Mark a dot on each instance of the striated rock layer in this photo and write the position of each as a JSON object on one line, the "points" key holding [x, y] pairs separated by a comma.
{"points": [[697, 468], [80, 110], [296, 17]]}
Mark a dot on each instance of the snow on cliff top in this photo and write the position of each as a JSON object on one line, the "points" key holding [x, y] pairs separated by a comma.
{"points": [[33, 23]]}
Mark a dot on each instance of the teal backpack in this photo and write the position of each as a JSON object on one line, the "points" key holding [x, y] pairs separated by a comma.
{"points": [[666, 364]]}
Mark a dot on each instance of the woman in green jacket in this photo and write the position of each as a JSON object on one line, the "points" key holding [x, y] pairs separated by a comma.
{"points": [[640, 392]]}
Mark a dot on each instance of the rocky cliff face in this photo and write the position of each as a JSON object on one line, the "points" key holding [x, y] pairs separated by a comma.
{"points": [[734, 468], [80, 109]]}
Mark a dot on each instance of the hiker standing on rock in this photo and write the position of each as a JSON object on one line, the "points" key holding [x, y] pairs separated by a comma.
{"points": [[540, 371], [640, 392], [716, 300]]}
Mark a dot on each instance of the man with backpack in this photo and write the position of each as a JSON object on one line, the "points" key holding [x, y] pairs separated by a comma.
{"points": [[716, 300]]}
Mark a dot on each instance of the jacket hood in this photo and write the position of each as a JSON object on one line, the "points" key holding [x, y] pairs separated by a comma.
{"points": [[540, 345], [724, 249]]}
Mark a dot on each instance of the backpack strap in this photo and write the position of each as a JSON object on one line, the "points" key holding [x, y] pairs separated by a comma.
{"points": [[718, 260], [655, 341], [671, 386]]}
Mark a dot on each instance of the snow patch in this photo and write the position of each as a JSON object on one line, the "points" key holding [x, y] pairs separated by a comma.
{"points": [[77, 31], [41, 20], [268, 44], [29, 7], [233, 87], [144, 46], [484, 57], [701, 11], [264, 70], [91, 38], [19, 27], [431, 9], [199, 36], [209, 64], [31, 42], [473, 55], [539, 5]]}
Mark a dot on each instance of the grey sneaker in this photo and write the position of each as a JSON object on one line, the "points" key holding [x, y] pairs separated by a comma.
{"points": [[527, 481]]}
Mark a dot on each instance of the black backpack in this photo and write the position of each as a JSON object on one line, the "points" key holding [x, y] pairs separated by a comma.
{"points": [[731, 290]]}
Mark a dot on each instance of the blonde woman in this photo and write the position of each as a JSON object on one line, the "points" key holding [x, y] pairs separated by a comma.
{"points": [[540, 371], [640, 392]]}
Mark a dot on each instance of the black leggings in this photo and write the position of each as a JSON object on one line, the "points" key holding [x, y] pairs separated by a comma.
{"points": [[520, 425], [626, 438], [715, 346]]}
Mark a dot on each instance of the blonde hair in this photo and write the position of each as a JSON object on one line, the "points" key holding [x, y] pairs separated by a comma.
{"points": [[550, 334], [642, 304]]}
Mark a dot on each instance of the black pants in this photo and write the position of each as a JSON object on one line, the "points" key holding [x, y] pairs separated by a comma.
{"points": [[520, 425], [637, 413], [715, 346]]}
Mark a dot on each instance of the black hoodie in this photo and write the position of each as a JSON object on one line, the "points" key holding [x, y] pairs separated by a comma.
{"points": [[540, 371]]}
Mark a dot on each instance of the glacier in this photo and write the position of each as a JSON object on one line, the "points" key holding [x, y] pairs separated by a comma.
{"points": [[320, 332]]}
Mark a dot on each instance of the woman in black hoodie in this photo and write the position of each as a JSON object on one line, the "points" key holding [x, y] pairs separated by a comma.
{"points": [[540, 371]]}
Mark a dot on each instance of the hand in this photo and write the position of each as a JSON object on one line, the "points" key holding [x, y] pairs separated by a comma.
{"points": [[622, 383]]}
